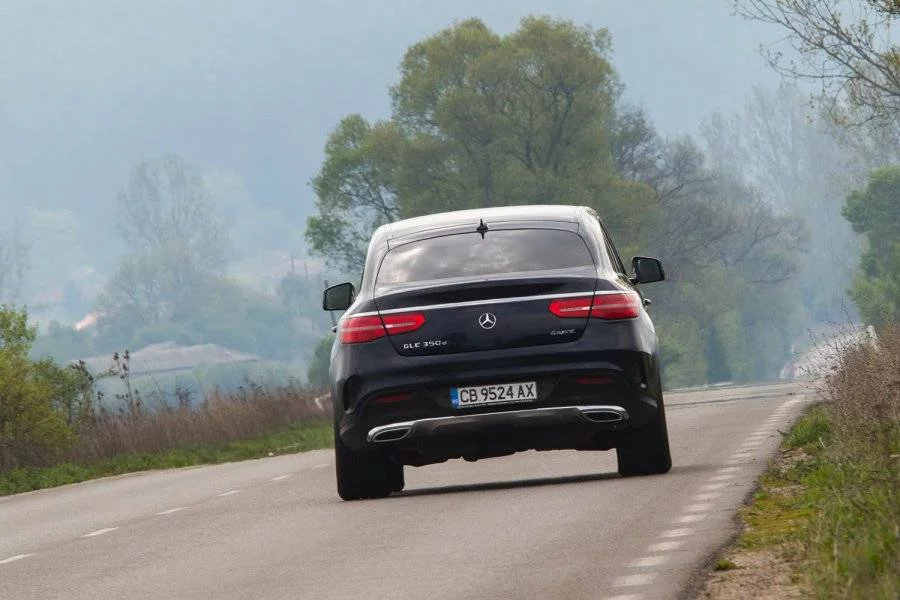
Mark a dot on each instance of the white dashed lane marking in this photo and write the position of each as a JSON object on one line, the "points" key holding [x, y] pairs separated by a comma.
{"points": [[13, 559], [665, 546], [707, 496], [170, 511], [99, 532], [649, 561], [680, 532], [322, 466], [633, 580], [279, 478], [228, 493], [690, 518], [700, 507], [712, 486]]}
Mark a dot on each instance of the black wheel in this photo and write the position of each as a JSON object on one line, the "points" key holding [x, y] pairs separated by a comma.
{"points": [[364, 474], [645, 451], [398, 482]]}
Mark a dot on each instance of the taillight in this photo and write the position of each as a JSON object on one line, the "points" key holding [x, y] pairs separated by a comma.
{"points": [[403, 323], [569, 308], [624, 305], [358, 330]]}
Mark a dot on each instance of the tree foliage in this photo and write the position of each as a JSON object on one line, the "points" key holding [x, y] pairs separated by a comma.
{"points": [[166, 208], [14, 263], [849, 48], [480, 120], [35, 397], [875, 212], [317, 373], [173, 288]]}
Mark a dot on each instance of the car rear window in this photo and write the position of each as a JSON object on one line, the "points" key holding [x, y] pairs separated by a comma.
{"points": [[470, 255]]}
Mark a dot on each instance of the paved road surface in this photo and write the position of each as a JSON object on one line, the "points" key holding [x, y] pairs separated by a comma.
{"points": [[534, 525]]}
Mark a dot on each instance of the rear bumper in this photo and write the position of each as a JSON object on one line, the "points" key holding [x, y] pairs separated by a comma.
{"points": [[613, 417], [624, 352]]}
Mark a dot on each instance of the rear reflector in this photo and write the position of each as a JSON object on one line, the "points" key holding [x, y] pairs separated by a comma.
{"points": [[390, 398], [595, 380], [624, 305], [358, 330]]}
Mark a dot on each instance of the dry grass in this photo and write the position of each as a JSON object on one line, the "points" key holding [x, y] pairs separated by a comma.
{"points": [[252, 411], [853, 539], [254, 422]]}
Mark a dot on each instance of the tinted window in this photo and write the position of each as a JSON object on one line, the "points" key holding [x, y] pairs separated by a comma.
{"points": [[468, 255]]}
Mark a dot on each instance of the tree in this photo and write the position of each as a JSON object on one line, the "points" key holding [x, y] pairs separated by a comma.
{"points": [[317, 373], [166, 206], [852, 56], [355, 189], [875, 212], [481, 120], [14, 262], [179, 245], [32, 428]]}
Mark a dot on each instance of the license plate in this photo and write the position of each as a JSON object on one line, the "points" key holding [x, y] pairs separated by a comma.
{"points": [[502, 393]]}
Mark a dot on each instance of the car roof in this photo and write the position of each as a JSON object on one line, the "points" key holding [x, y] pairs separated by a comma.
{"points": [[506, 214]]}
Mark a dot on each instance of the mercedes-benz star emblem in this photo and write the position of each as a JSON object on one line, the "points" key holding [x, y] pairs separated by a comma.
{"points": [[487, 320]]}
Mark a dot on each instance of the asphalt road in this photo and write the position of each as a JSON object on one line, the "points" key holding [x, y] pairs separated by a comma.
{"points": [[534, 525]]}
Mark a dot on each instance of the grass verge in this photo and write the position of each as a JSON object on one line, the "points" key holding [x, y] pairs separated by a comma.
{"points": [[289, 439], [825, 522]]}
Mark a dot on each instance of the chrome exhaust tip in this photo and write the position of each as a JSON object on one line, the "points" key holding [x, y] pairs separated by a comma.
{"points": [[389, 433], [604, 415]]}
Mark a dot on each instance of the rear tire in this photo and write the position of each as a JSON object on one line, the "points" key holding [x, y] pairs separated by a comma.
{"points": [[364, 474], [398, 481], [645, 451]]}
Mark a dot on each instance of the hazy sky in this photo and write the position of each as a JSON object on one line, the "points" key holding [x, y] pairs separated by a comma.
{"points": [[87, 89]]}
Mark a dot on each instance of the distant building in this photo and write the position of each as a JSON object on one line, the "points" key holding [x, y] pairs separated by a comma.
{"points": [[168, 357]]}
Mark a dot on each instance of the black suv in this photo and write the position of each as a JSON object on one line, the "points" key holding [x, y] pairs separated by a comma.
{"points": [[486, 332]]}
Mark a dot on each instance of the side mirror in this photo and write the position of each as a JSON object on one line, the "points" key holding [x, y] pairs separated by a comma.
{"points": [[647, 270], [338, 297]]}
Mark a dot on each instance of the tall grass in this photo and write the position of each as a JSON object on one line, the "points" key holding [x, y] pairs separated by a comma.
{"points": [[252, 422], [220, 418], [852, 540]]}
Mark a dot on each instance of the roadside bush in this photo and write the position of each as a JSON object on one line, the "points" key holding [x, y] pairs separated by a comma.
{"points": [[57, 425], [39, 401]]}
